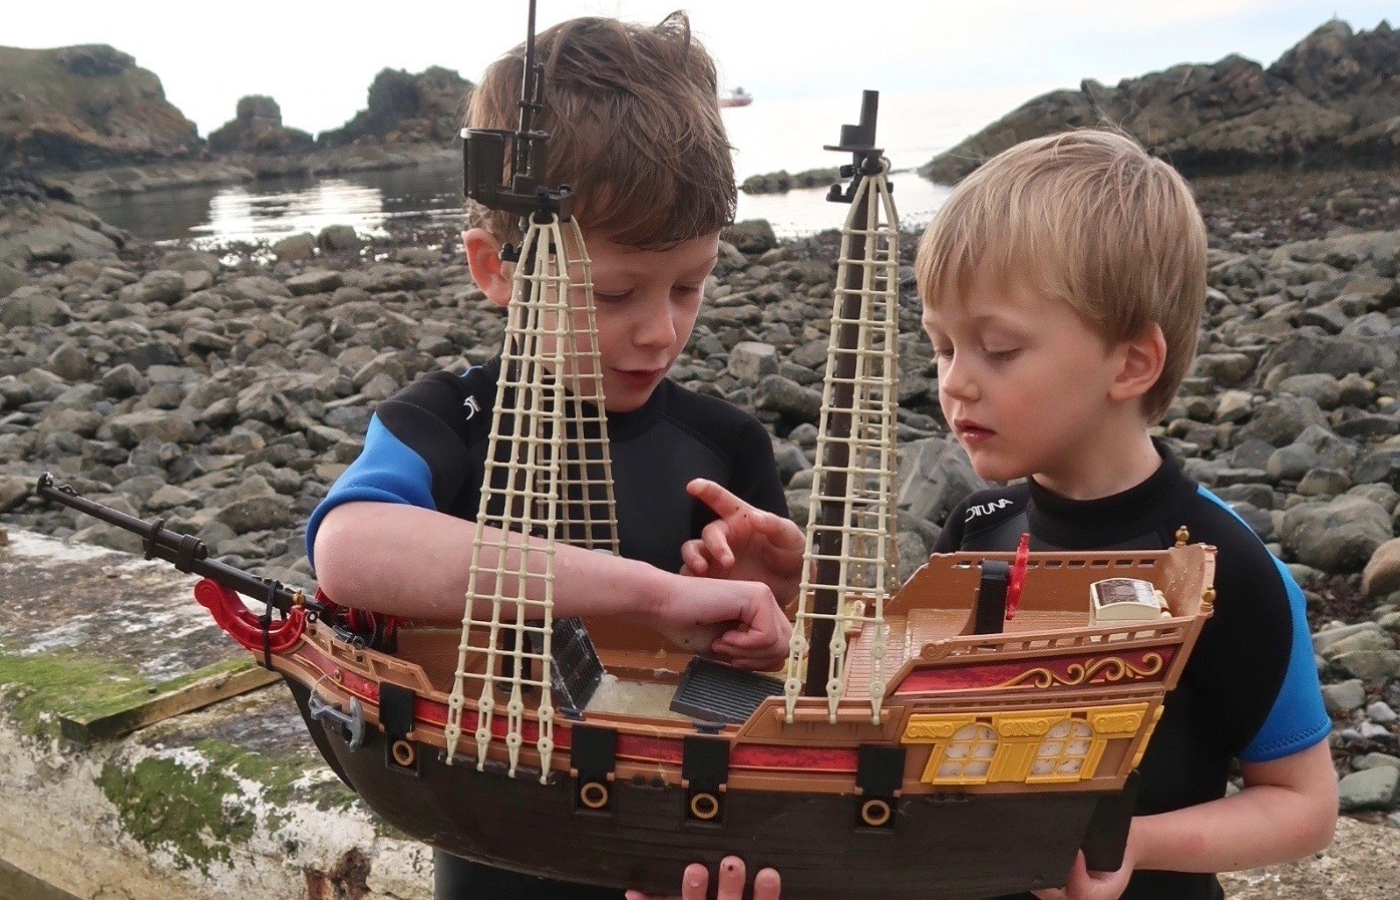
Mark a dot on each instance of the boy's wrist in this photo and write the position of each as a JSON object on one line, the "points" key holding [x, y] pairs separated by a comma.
{"points": [[651, 590]]}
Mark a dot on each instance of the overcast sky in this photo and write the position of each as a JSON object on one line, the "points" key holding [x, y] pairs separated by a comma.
{"points": [[317, 59]]}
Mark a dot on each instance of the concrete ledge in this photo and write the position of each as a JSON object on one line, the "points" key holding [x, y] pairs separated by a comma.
{"points": [[230, 801]]}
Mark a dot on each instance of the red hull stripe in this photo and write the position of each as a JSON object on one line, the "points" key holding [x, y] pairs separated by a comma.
{"points": [[633, 748], [1139, 666]]}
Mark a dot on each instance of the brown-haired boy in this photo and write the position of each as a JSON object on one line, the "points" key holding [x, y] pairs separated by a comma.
{"points": [[1063, 284], [634, 128]]}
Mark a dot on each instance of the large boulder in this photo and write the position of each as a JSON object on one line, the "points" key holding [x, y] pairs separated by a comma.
{"points": [[40, 223], [1336, 536], [407, 109], [257, 128], [1333, 97], [86, 107]]}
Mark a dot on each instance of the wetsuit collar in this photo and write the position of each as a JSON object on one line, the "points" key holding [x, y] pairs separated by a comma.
{"points": [[1107, 521], [621, 426]]}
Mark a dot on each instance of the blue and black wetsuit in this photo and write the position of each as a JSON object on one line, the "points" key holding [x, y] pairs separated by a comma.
{"points": [[427, 446], [1249, 691]]}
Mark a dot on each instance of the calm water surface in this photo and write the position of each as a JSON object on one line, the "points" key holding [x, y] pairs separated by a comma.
{"points": [[768, 136]]}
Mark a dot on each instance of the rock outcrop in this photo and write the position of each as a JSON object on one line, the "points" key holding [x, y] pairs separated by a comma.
{"points": [[40, 223], [83, 107], [1333, 98], [407, 109], [258, 129]]}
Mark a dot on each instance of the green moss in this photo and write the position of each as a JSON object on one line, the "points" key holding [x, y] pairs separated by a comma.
{"points": [[44, 686], [201, 813], [198, 811], [68, 683], [196, 814]]}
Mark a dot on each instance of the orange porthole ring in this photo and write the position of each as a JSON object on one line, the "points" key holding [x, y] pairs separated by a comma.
{"points": [[875, 813], [593, 794], [704, 806]]}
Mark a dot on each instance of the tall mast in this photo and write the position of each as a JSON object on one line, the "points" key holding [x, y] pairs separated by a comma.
{"points": [[849, 566], [548, 470]]}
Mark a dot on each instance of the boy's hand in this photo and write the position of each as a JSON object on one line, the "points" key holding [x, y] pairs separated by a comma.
{"points": [[745, 543], [1086, 885], [738, 621], [767, 885]]}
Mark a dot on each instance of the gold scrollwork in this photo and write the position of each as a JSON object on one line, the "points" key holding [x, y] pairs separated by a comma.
{"points": [[1109, 669], [930, 730], [1026, 726], [1119, 723]]}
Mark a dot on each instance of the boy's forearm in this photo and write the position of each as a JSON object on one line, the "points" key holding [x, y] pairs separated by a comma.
{"points": [[415, 562], [1261, 825]]}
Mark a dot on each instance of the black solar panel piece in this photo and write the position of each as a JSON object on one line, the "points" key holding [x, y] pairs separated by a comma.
{"points": [[713, 692]]}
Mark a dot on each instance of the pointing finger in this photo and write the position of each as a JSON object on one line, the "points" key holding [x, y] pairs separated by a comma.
{"points": [[716, 497]]}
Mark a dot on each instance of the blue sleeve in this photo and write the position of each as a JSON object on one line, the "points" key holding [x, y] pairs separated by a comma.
{"points": [[1298, 719], [1256, 671], [387, 471]]}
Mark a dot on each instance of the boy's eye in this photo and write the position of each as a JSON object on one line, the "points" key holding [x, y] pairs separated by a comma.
{"points": [[610, 296], [1001, 355]]}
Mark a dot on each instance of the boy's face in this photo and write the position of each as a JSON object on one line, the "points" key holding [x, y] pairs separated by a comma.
{"points": [[645, 301], [1024, 383]]}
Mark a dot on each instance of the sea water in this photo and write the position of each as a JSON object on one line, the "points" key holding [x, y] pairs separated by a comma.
{"points": [[768, 135]]}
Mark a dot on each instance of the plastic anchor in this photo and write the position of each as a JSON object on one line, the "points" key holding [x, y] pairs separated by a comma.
{"points": [[352, 724]]}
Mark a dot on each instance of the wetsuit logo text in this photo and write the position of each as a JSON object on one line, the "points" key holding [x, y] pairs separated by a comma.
{"points": [[983, 509]]}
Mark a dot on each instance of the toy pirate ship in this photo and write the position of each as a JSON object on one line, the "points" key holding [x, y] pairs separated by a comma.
{"points": [[922, 742]]}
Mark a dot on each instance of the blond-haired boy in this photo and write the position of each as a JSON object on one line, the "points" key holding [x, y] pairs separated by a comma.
{"points": [[1063, 284], [634, 128]]}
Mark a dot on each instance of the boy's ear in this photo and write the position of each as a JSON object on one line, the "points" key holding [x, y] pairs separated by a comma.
{"points": [[1142, 360], [484, 260]]}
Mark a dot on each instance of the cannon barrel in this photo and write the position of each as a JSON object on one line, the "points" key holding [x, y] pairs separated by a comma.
{"points": [[186, 553]]}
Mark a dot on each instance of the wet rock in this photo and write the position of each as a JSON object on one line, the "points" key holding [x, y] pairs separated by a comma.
{"points": [[751, 236], [789, 399], [1376, 788], [751, 361], [934, 474], [1337, 535], [317, 281], [33, 305], [296, 248], [13, 491], [335, 239], [130, 429], [1344, 697], [1280, 420], [1382, 573]]}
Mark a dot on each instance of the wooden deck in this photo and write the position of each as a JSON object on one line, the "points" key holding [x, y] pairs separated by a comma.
{"points": [[908, 635]]}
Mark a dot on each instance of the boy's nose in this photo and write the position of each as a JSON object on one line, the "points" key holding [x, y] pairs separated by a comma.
{"points": [[955, 380], [656, 327]]}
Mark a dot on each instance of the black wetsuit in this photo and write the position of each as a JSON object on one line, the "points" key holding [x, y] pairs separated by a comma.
{"points": [[427, 447], [1249, 691]]}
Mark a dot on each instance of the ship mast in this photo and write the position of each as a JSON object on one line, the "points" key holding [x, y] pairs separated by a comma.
{"points": [[849, 565], [548, 471]]}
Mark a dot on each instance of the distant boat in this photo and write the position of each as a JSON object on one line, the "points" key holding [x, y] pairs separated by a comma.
{"points": [[737, 97]]}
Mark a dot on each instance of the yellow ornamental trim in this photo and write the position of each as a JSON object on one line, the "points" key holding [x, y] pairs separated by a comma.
{"points": [[1123, 722], [1028, 726], [1111, 669], [923, 729]]}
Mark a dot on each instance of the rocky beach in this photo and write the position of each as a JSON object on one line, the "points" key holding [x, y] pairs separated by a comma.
{"points": [[224, 393]]}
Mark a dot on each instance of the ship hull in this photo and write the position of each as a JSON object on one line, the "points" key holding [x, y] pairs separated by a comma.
{"points": [[951, 847]]}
